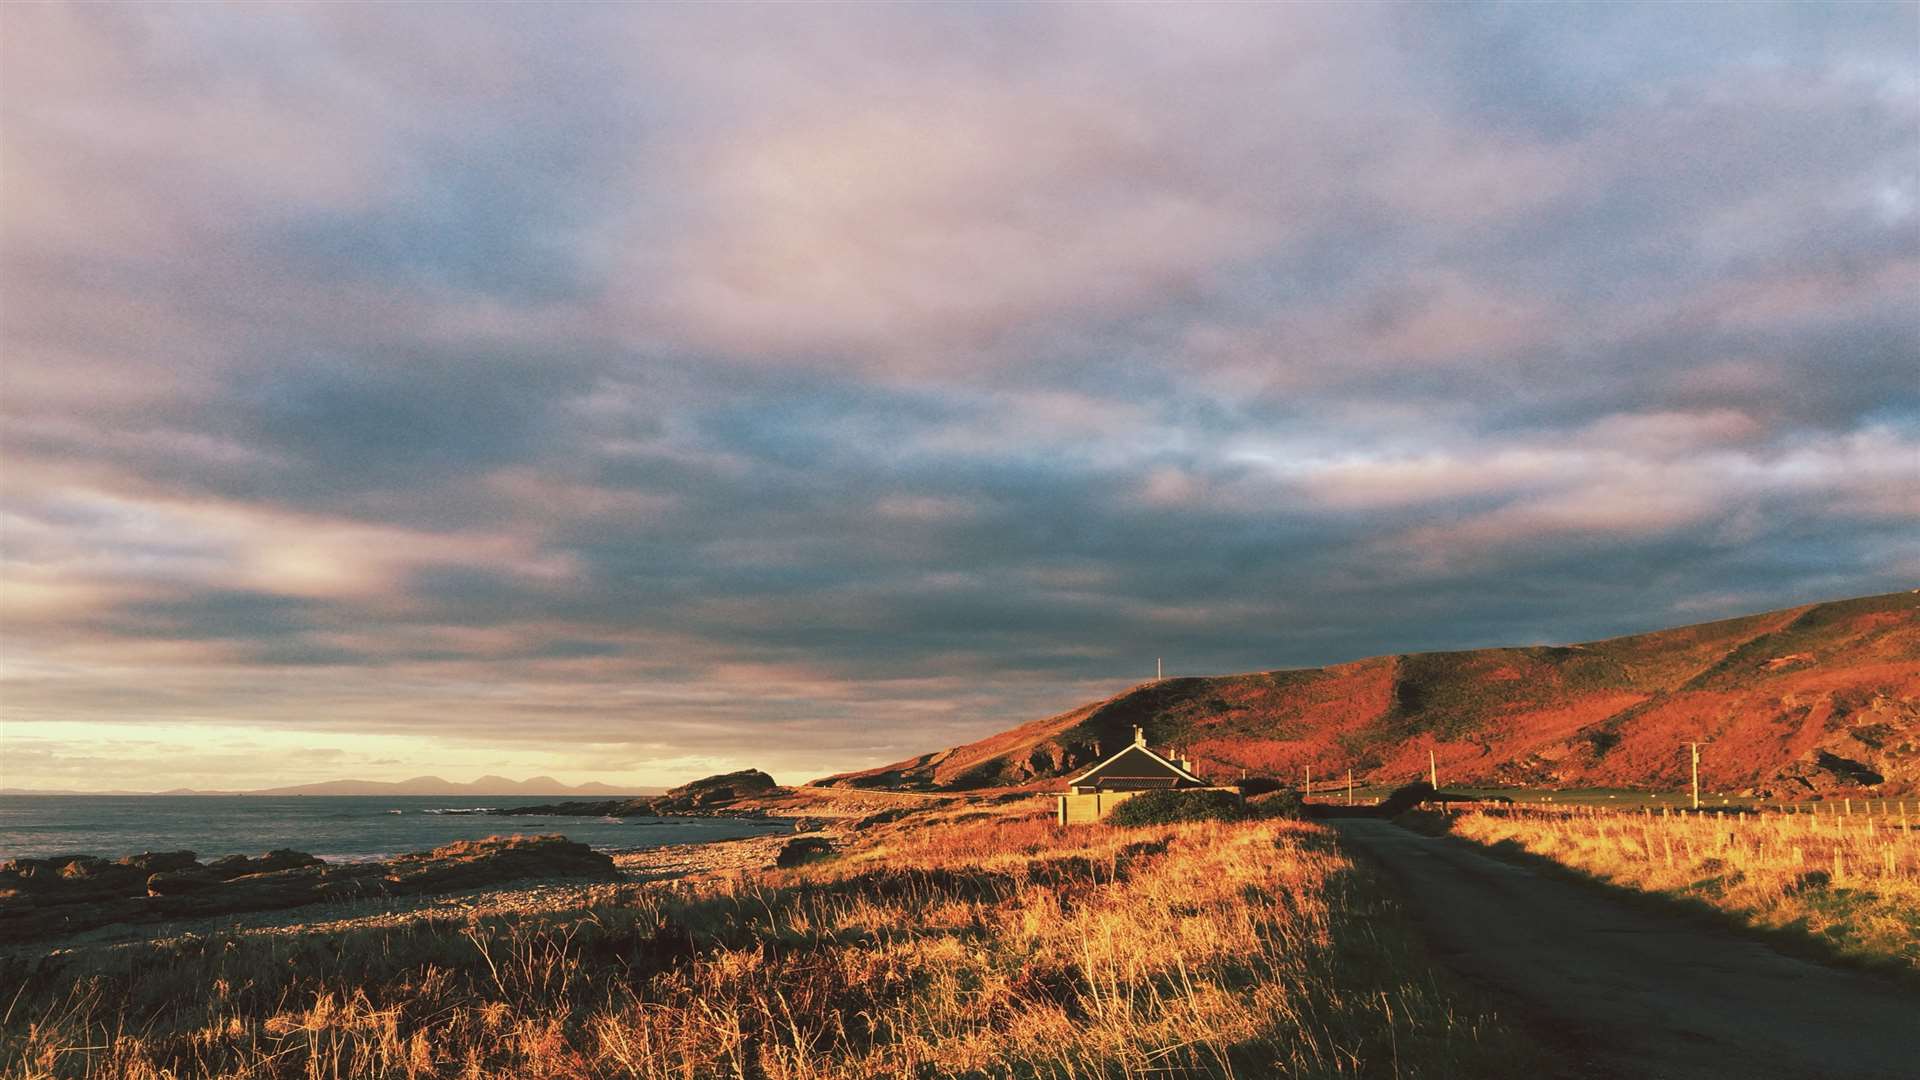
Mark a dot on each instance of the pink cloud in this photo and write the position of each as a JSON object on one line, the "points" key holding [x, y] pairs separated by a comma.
{"points": [[1606, 496]]}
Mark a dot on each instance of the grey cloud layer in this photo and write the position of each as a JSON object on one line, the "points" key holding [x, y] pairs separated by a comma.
{"points": [[871, 379]]}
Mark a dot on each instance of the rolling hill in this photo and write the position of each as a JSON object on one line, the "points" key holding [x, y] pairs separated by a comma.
{"points": [[1814, 699]]}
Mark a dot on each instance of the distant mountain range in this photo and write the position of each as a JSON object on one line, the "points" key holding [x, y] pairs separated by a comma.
{"points": [[1818, 699], [419, 785]]}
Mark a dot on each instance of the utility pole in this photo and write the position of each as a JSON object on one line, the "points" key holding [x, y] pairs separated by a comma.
{"points": [[1696, 774], [1309, 789], [1349, 787], [1433, 772]]}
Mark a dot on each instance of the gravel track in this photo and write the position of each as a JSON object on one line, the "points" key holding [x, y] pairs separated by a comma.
{"points": [[1636, 993]]}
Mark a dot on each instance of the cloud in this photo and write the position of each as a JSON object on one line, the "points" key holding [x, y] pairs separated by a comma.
{"points": [[661, 390]]}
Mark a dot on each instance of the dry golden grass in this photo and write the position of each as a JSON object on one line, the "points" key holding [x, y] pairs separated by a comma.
{"points": [[983, 948], [1850, 883]]}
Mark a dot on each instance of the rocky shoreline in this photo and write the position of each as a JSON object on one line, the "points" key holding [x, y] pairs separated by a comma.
{"points": [[71, 899], [499, 874], [48, 897]]}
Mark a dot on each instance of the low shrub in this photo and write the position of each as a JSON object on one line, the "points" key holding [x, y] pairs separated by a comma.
{"points": [[1170, 807], [1257, 785], [1280, 802], [1406, 798]]}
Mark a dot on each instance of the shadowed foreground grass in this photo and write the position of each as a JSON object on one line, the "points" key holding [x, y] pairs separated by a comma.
{"points": [[1849, 885], [976, 949]]}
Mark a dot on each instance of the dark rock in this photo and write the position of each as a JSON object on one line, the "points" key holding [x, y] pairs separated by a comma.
{"points": [[233, 866], [101, 885], [801, 850], [154, 862], [708, 796], [291, 888], [179, 882], [604, 808], [96, 871], [496, 859], [744, 783], [230, 870], [47, 922], [39, 898], [71, 879]]}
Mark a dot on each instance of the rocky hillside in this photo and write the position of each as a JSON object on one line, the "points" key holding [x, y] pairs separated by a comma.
{"points": [[1814, 699]]}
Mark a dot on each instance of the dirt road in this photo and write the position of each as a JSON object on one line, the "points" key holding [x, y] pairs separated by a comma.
{"points": [[1639, 994]]}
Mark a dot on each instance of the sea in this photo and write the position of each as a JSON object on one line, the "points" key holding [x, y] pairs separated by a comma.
{"points": [[342, 828]]}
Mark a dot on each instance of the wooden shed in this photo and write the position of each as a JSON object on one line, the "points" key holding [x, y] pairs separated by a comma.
{"points": [[1133, 770]]}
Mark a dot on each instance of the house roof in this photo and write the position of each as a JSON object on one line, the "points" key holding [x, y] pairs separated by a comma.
{"points": [[1140, 747]]}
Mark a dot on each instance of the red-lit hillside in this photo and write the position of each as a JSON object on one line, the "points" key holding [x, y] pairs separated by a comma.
{"points": [[1817, 698]]}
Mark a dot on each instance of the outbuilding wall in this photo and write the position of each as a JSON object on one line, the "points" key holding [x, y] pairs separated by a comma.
{"points": [[1085, 808], [1090, 807]]}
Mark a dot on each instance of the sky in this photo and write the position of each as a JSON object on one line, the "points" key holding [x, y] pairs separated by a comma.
{"points": [[630, 393]]}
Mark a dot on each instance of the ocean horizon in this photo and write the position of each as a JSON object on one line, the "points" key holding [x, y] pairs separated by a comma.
{"points": [[338, 828]]}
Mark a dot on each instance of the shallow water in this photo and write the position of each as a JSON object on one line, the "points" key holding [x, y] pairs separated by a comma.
{"points": [[334, 827]]}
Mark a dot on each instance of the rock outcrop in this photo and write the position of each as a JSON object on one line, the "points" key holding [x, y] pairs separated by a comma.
{"points": [[802, 850], [64, 894], [710, 796], [726, 787], [1866, 743], [601, 808]]}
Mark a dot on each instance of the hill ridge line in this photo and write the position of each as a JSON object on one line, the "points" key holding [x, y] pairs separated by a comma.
{"points": [[1614, 711]]}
